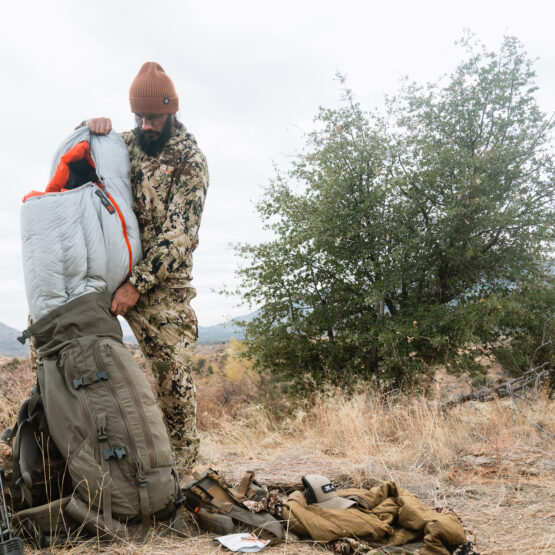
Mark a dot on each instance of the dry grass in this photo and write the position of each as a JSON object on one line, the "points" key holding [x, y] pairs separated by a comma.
{"points": [[203, 545], [485, 460], [16, 383]]}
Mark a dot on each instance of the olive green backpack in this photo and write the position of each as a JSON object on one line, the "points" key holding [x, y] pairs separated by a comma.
{"points": [[100, 412]]}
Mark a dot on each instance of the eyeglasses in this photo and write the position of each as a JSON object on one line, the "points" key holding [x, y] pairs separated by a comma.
{"points": [[141, 120]]}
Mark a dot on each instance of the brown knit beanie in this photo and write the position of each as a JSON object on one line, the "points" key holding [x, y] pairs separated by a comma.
{"points": [[152, 91]]}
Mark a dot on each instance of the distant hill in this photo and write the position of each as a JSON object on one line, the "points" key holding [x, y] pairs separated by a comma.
{"points": [[225, 331], [206, 334], [9, 345]]}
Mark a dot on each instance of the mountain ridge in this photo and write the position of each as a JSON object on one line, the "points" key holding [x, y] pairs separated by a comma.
{"points": [[9, 345], [219, 333]]}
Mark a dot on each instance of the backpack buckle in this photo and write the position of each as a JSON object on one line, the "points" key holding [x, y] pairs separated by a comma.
{"points": [[115, 453], [120, 452], [23, 337], [84, 381], [102, 435], [101, 428], [180, 501]]}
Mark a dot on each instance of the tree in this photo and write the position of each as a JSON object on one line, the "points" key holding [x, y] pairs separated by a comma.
{"points": [[391, 232]]}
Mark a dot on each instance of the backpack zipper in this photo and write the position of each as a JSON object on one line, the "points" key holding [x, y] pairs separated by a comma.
{"points": [[135, 395], [137, 467], [122, 221]]}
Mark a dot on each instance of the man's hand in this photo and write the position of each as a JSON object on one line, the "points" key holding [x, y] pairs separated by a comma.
{"points": [[124, 298], [100, 126]]}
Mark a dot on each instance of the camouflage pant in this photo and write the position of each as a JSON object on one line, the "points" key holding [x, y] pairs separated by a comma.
{"points": [[165, 326]]}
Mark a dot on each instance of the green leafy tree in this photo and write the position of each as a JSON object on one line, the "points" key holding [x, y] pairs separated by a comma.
{"points": [[518, 327], [391, 233]]}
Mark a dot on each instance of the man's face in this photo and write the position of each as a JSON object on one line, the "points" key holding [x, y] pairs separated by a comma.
{"points": [[153, 131], [151, 125]]}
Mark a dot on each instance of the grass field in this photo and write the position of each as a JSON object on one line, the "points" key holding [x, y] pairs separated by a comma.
{"points": [[487, 461]]}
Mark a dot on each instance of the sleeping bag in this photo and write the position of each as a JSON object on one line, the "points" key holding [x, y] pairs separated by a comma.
{"points": [[80, 235]]}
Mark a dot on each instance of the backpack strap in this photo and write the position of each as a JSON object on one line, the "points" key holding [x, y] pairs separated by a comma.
{"points": [[106, 490], [264, 522], [31, 423], [145, 504], [118, 453], [216, 505], [232, 492], [246, 481]]}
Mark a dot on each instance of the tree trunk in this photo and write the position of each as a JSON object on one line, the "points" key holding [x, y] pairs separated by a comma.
{"points": [[374, 363], [374, 359], [337, 366]]}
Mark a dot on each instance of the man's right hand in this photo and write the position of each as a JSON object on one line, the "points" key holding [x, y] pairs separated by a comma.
{"points": [[100, 126]]}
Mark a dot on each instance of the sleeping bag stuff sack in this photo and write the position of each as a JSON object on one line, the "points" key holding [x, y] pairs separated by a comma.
{"points": [[80, 240]]}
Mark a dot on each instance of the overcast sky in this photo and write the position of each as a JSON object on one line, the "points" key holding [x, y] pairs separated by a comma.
{"points": [[250, 77]]}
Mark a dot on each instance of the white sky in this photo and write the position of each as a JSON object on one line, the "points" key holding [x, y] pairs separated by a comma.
{"points": [[250, 76]]}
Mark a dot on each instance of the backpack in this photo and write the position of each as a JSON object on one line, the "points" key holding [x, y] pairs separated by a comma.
{"points": [[101, 414], [219, 508]]}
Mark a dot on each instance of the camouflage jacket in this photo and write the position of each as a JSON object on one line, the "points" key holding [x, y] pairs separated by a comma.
{"points": [[169, 191]]}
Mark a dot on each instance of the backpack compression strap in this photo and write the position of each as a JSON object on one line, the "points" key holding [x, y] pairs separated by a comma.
{"points": [[24, 438], [145, 505], [106, 490]]}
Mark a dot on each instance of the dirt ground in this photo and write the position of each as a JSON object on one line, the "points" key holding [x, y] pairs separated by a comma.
{"points": [[486, 461]]}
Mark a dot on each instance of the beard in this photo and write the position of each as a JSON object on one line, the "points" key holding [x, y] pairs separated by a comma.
{"points": [[152, 143]]}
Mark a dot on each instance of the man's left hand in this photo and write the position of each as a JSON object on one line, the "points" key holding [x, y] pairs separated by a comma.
{"points": [[124, 299]]}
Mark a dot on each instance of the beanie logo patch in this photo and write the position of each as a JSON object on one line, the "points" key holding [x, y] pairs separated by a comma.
{"points": [[166, 100]]}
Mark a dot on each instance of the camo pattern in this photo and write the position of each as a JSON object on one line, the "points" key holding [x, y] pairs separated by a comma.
{"points": [[169, 192], [33, 355], [272, 503], [165, 326]]}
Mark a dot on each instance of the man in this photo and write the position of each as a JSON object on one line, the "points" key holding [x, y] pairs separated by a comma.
{"points": [[169, 178]]}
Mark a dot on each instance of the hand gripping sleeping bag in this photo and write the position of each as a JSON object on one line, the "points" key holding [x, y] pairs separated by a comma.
{"points": [[80, 241]]}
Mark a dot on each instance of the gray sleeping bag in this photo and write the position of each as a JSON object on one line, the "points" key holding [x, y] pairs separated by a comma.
{"points": [[82, 240]]}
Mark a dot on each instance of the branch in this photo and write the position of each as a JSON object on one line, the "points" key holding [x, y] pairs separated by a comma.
{"points": [[503, 390], [544, 342]]}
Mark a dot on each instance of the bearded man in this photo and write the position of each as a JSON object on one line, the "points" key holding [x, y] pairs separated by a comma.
{"points": [[169, 179]]}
